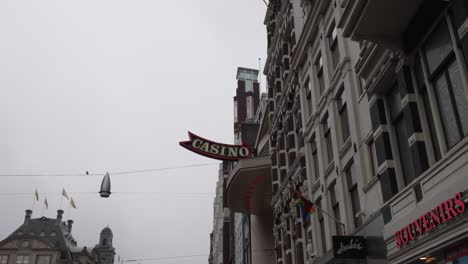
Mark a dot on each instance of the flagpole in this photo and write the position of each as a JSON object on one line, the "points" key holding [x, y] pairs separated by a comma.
{"points": [[61, 199], [69, 209], [329, 215], [34, 199], [43, 207], [323, 211]]}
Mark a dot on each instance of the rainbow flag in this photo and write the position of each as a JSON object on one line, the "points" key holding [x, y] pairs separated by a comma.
{"points": [[306, 206]]}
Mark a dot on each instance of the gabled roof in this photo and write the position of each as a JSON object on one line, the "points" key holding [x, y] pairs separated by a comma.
{"points": [[53, 231]]}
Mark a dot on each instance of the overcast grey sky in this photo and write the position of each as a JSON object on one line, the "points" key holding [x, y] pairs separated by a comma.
{"points": [[113, 85]]}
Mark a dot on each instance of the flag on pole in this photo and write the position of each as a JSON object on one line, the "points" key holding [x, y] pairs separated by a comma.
{"points": [[72, 203], [36, 195], [306, 206], [64, 194], [46, 203]]}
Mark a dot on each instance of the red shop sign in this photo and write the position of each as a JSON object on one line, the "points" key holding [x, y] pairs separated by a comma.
{"points": [[444, 212]]}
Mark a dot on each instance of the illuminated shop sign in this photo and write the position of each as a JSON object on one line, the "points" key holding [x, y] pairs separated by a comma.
{"points": [[216, 150], [349, 247], [444, 212]]}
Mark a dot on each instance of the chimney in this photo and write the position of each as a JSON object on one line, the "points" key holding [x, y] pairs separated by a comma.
{"points": [[59, 216], [70, 223], [27, 217]]}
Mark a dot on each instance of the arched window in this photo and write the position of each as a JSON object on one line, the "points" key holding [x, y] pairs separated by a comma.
{"points": [[104, 242]]}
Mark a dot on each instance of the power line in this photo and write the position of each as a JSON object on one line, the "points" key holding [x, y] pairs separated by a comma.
{"points": [[117, 193], [112, 173], [171, 257]]}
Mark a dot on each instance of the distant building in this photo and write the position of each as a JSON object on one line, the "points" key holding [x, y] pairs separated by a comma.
{"points": [[50, 241], [104, 249]]}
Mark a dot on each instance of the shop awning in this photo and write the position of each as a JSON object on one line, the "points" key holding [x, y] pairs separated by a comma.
{"points": [[249, 186]]}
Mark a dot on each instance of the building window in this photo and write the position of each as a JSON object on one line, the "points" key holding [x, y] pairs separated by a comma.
{"points": [[248, 86], [246, 235], [299, 253], [309, 96], [104, 242], [343, 112], [43, 259], [328, 140], [235, 111], [315, 162], [353, 193], [321, 221], [320, 77], [22, 259], [336, 209], [423, 93], [3, 259], [445, 77], [238, 138], [372, 157], [250, 110], [334, 49], [401, 134]]}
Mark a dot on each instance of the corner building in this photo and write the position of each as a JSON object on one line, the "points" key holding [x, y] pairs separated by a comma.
{"points": [[368, 108], [414, 71]]}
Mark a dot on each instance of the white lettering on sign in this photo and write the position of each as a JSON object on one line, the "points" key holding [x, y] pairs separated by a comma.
{"points": [[352, 245]]}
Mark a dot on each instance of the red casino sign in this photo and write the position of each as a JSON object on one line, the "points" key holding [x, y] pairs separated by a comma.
{"points": [[216, 150]]}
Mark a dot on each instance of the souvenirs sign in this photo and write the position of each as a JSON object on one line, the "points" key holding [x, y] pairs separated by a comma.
{"points": [[216, 150], [444, 212], [349, 247]]}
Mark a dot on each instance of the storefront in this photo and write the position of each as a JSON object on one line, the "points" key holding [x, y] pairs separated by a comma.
{"points": [[438, 236]]}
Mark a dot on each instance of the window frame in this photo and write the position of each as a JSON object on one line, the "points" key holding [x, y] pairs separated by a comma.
{"points": [[44, 255], [440, 146], [250, 106], [309, 98], [23, 256], [321, 223], [327, 139], [4, 257], [319, 75], [343, 113], [333, 46], [315, 158], [352, 189], [335, 205]]}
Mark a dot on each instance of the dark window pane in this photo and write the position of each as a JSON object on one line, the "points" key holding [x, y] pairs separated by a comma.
{"points": [[446, 110], [282, 160], [299, 254], [316, 165], [460, 96], [394, 101], [404, 150], [438, 46], [344, 123], [419, 72], [351, 176], [356, 206], [336, 212], [430, 122]]}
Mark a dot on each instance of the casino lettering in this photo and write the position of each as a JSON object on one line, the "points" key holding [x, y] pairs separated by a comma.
{"points": [[223, 150], [216, 150]]}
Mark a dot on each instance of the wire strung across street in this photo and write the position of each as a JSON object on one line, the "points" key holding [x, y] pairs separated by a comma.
{"points": [[159, 258], [116, 193], [86, 174]]}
